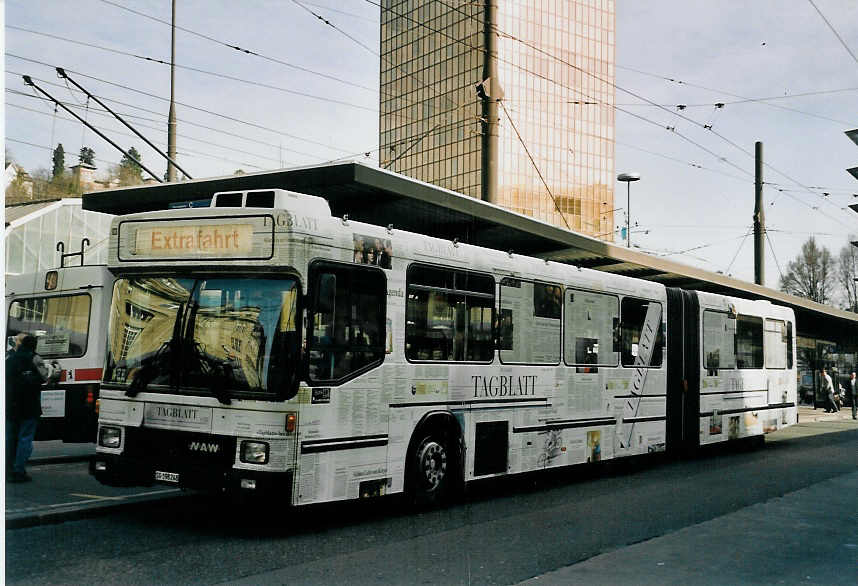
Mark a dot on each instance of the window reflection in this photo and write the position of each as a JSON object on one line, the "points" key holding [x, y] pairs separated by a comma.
{"points": [[228, 334], [60, 324]]}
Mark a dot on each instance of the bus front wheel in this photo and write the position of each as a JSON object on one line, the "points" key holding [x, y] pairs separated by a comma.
{"points": [[432, 469]]}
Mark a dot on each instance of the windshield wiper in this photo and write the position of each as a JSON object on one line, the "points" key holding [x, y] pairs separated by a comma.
{"points": [[218, 373], [151, 366]]}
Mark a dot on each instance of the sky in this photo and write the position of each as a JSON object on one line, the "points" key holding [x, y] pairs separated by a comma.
{"points": [[310, 95]]}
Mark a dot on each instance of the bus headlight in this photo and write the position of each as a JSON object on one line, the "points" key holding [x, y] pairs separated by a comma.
{"points": [[110, 437], [254, 452]]}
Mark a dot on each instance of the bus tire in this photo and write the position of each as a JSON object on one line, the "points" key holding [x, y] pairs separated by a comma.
{"points": [[433, 466]]}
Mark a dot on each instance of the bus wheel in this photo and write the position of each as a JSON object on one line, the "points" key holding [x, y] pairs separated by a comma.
{"points": [[432, 468]]}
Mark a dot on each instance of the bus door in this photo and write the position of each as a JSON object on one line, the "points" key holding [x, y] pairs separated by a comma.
{"points": [[778, 348], [683, 370]]}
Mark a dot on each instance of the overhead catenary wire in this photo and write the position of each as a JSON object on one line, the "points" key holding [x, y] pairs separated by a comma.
{"points": [[688, 163], [161, 116], [343, 12], [444, 96], [575, 90], [66, 77], [192, 152], [185, 105], [335, 27], [30, 82], [373, 52], [708, 245], [774, 256], [634, 94], [184, 136], [704, 126], [242, 49], [198, 70], [763, 100], [833, 30], [555, 82], [738, 250], [535, 166]]}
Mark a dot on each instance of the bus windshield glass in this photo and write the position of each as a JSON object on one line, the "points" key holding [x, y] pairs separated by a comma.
{"points": [[224, 336], [60, 324]]}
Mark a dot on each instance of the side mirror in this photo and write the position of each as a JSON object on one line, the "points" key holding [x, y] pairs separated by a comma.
{"points": [[326, 293]]}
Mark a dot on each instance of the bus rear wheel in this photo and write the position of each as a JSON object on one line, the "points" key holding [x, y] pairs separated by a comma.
{"points": [[432, 470]]}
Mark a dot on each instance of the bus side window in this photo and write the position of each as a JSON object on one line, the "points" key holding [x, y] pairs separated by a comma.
{"points": [[347, 329], [775, 343], [789, 344], [529, 322], [719, 345], [635, 315], [449, 315], [592, 324], [749, 341]]}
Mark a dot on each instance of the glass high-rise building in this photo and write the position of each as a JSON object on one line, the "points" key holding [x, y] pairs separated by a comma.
{"points": [[510, 101]]}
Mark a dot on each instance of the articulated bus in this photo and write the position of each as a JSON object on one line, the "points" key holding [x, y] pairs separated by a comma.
{"points": [[66, 309], [263, 345]]}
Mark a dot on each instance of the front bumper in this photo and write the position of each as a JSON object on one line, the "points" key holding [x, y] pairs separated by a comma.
{"points": [[114, 470]]}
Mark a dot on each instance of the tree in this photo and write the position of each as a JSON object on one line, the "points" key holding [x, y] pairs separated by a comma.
{"points": [[86, 156], [130, 173], [59, 159], [812, 274], [847, 263]]}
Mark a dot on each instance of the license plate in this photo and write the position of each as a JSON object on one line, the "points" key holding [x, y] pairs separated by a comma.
{"points": [[166, 476]]}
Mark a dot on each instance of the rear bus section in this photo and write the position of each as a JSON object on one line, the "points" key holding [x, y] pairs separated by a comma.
{"points": [[738, 378]]}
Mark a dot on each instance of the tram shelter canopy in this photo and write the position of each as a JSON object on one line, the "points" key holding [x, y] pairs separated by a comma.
{"points": [[377, 196]]}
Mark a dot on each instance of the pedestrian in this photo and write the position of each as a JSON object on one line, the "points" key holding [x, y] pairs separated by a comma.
{"points": [[25, 374], [853, 390], [828, 387]]}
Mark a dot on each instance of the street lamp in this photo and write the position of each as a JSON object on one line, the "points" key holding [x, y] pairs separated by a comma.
{"points": [[627, 178]]}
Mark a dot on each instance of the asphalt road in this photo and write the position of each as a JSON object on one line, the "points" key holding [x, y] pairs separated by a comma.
{"points": [[502, 533]]}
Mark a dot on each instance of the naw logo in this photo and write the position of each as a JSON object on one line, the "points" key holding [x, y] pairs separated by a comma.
{"points": [[210, 448]]}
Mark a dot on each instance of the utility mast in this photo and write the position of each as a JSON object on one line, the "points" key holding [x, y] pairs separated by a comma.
{"points": [[759, 219], [171, 120]]}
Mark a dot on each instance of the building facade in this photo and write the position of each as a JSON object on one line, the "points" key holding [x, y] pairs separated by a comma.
{"points": [[510, 101]]}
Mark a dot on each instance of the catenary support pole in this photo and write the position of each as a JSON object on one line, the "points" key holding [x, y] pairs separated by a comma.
{"points": [[490, 117], [171, 120], [759, 219]]}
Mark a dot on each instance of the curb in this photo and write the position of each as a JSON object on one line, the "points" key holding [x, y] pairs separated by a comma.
{"points": [[89, 510], [58, 460]]}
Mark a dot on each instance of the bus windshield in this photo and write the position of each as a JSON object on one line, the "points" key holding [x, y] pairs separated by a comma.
{"points": [[60, 324], [226, 336]]}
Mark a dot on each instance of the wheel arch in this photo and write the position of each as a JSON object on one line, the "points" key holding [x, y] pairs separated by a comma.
{"points": [[443, 422]]}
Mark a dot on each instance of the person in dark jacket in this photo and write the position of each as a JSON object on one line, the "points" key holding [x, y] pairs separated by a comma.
{"points": [[25, 374]]}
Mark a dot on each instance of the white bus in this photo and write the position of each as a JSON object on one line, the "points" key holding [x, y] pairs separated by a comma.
{"points": [[264, 345], [66, 309]]}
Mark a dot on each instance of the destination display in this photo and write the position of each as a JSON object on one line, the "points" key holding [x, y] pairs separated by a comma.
{"points": [[247, 237]]}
